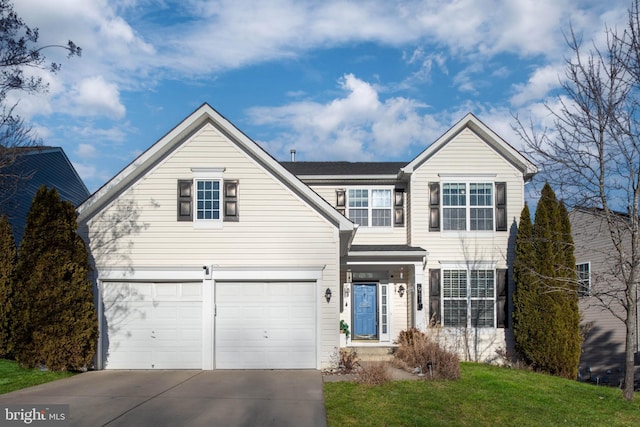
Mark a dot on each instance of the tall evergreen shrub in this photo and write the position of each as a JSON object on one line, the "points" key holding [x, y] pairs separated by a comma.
{"points": [[8, 255], [56, 322], [546, 316]]}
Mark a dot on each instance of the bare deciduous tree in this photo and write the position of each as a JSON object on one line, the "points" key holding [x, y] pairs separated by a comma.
{"points": [[19, 51], [592, 152]]}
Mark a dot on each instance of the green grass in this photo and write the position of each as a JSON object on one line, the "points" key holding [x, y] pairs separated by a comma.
{"points": [[13, 377], [484, 396]]}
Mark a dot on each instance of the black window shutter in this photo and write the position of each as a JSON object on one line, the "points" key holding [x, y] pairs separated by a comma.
{"points": [[501, 206], [398, 208], [434, 206], [434, 296], [502, 320], [185, 201], [341, 201], [231, 200]]}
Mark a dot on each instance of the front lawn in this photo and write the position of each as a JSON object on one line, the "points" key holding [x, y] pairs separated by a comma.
{"points": [[13, 377], [484, 396]]}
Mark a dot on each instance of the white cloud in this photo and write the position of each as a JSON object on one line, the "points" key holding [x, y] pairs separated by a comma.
{"points": [[86, 151], [542, 81], [94, 96], [358, 126]]}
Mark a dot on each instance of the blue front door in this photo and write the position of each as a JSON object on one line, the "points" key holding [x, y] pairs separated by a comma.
{"points": [[365, 304]]}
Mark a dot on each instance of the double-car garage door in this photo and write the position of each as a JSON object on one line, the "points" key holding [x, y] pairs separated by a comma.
{"points": [[256, 325]]}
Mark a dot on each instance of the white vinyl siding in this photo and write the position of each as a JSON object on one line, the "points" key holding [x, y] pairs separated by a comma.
{"points": [[277, 228], [465, 153]]}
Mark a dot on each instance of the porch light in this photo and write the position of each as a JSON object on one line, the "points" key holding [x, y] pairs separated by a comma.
{"points": [[327, 294], [401, 291], [346, 291]]}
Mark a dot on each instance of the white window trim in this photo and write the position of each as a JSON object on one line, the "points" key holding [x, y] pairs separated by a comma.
{"points": [[588, 293], [469, 266], [207, 174], [467, 181], [370, 208]]}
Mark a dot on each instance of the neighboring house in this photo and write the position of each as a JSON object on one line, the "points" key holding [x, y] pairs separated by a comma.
{"points": [[30, 169], [599, 291], [210, 254]]}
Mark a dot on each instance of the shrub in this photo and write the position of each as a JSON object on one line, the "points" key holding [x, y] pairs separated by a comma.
{"points": [[418, 350], [7, 271], [373, 373], [55, 322], [348, 360]]}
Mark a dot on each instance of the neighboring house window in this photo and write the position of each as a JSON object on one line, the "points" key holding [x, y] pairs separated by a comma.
{"points": [[467, 206], [370, 207], [584, 279], [468, 298]]}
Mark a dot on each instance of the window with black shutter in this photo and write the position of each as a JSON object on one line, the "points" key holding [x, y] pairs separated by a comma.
{"points": [[185, 201]]}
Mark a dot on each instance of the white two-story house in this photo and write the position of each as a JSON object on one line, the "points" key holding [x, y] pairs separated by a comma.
{"points": [[208, 253]]}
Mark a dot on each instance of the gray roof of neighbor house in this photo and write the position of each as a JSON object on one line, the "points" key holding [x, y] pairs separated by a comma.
{"points": [[343, 168], [32, 168]]}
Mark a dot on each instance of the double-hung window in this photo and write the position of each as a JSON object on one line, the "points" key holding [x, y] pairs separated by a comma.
{"points": [[370, 207], [468, 298], [584, 279], [467, 206]]}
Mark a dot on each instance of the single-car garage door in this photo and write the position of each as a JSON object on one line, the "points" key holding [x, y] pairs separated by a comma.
{"points": [[152, 325], [265, 325]]}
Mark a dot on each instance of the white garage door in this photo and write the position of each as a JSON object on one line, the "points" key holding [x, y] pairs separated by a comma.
{"points": [[152, 325], [265, 325]]}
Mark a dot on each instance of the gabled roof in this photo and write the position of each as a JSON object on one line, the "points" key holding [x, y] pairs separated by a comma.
{"points": [[32, 168], [487, 135], [205, 114]]}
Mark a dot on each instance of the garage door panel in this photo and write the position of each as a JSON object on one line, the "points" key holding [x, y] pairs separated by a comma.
{"points": [[153, 325], [268, 325]]}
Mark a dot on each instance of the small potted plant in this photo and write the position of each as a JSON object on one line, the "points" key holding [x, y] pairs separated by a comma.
{"points": [[344, 333]]}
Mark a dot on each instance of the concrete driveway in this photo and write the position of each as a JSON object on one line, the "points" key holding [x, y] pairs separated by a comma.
{"points": [[184, 398]]}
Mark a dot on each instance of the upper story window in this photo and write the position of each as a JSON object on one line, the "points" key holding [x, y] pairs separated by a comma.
{"points": [[207, 199], [370, 207], [467, 206], [584, 279]]}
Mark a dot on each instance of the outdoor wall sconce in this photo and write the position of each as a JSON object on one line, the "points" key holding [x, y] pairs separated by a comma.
{"points": [[401, 291], [346, 291], [327, 294]]}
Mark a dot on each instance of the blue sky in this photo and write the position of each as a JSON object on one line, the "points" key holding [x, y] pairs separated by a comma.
{"points": [[336, 80]]}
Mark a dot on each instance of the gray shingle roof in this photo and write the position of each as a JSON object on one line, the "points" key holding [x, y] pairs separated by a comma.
{"points": [[343, 168]]}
